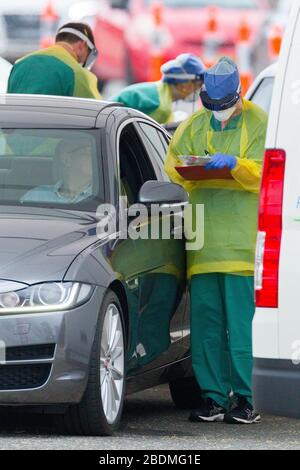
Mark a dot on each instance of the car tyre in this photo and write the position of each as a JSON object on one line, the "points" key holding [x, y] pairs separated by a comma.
{"points": [[186, 393], [100, 410]]}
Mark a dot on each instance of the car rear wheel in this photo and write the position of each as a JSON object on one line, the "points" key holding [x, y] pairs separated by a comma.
{"points": [[186, 393], [100, 410]]}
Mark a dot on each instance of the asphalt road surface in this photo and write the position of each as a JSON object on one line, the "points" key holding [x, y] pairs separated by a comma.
{"points": [[151, 422]]}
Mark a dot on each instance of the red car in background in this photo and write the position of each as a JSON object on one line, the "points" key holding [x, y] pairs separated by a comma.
{"points": [[134, 36]]}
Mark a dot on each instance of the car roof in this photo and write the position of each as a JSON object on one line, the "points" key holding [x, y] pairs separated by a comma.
{"points": [[269, 72], [51, 110]]}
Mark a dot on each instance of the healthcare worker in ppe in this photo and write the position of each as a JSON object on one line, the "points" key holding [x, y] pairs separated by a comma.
{"points": [[62, 69], [182, 79], [232, 130]]}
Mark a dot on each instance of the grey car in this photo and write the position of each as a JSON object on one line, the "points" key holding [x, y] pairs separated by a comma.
{"points": [[86, 319]]}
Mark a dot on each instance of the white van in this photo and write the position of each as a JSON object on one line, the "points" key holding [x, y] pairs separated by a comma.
{"points": [[276, 326]]}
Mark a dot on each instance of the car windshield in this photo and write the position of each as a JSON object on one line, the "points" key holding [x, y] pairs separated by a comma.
{"points": [[50, 168], [245, 4]]}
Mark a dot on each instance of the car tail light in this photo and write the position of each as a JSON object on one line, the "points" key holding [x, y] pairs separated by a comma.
{"points": [[269, 229]]}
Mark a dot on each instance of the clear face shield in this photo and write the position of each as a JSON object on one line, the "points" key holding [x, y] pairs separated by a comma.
{"points": [[92, 57], [197, 86]]}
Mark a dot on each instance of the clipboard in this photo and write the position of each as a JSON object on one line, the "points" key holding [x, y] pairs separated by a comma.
{"points": [[198, 173]]}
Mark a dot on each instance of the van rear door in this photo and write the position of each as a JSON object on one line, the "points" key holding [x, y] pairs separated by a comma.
{"points": [[288, 139]]}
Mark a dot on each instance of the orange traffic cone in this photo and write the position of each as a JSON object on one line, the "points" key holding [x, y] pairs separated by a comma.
{"points": [[156, 52], [274, 42], [211, 42], [48, 25], [243, 53]]}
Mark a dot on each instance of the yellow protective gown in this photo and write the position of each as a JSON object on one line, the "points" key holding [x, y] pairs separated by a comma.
{"points": [[230, 205]]}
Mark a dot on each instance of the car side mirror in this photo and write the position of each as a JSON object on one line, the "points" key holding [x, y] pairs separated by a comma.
{"points": [[162, 193]]}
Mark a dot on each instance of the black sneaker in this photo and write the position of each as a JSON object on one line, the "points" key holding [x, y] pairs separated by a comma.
{"points": [[242, 413], [208, 413]]}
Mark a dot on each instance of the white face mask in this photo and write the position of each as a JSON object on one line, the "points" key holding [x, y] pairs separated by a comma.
{"points": [[223, 116]]}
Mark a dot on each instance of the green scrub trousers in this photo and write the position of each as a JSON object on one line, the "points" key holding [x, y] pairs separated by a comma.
{"points": [[222, 310]]}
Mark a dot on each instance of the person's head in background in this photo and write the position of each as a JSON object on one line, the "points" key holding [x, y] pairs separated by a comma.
{"points": [[74, 163], [78, 39], [185, 75], [221, 93]]}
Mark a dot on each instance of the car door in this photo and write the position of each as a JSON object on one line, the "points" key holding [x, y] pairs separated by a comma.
{"points": [[153, 271], [156, 141]]}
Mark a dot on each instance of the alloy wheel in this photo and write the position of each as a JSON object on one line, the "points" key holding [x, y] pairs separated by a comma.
{"points": [[112, 363]]}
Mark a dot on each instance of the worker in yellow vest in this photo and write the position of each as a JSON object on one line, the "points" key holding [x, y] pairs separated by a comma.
{"points": [[232, 130], [62, 69], [181, 78]]}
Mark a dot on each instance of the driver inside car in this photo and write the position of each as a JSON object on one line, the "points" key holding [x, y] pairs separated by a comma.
{"points": [[73, 164]]}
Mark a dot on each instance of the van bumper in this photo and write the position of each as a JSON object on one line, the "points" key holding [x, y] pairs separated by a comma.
{"points": [[276, 387]]}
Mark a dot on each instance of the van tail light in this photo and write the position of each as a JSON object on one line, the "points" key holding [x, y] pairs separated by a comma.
{"points": [[269, 229]]}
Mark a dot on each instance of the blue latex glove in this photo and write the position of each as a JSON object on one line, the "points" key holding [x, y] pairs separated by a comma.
{"points": [[221, 160]]}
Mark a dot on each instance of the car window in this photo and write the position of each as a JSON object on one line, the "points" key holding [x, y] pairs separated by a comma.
{"points": [[262, 96], [135, 165], [52, 167], [156, 144]]}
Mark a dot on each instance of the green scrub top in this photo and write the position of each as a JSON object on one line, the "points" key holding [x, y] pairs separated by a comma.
{"points": [[52, 71], [153, 99]]}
